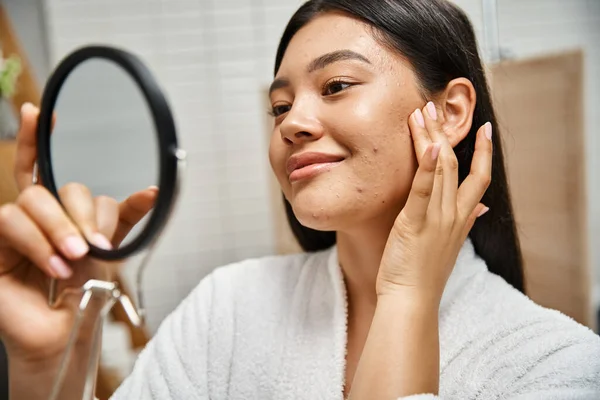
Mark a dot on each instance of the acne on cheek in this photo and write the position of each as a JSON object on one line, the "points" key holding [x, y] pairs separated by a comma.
{"points": [[322, 216], [399, 113], [316, 217], [312, 217], [361, 191]]}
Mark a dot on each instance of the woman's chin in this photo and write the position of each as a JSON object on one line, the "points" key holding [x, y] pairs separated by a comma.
{"points": [[317, 223], [317, 212]]}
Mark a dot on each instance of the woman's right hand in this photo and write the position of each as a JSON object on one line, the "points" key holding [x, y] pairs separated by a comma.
{"points": [[39, 240]]}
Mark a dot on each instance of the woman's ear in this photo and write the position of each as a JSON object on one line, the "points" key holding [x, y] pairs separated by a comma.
{"points": [[457, 103]]}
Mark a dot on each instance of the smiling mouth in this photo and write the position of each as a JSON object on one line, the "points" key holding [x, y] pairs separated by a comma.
{"points": [[311, 170], [308, 165]]}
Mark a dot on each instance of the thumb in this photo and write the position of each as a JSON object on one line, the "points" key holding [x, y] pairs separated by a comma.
{"points": [[107, 219], [26, 152], [132, 210]]}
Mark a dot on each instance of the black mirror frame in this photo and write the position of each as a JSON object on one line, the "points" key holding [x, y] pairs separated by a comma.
{"points": [[163, 123]]}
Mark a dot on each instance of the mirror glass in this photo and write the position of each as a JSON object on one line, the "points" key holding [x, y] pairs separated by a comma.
{"points": [[104, 139]]}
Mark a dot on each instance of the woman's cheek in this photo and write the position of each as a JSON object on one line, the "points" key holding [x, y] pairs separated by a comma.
{"points": [[277, 160]]}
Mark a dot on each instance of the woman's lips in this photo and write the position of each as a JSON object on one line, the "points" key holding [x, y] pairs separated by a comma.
{"points": [[307, 165], [311, 170]]}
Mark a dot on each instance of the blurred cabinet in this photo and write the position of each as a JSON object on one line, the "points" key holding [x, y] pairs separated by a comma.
{"points": [[539, 103], [8, 187]]}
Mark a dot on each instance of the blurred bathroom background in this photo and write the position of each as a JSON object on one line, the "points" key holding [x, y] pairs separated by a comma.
{"points": [[214, 59]]}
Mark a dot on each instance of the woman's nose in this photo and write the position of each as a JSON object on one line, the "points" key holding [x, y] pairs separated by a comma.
{"points": [[300, 125]]}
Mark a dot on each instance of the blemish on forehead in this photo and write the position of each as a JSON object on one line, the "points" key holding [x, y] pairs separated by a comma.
{"points": [[359, 189]]}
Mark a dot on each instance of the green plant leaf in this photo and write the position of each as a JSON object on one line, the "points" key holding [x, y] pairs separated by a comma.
{"points": [[9, 74]]}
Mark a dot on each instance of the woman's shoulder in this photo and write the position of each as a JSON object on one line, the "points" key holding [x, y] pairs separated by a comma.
{"points": [[493, 324], [507, 307], [492, 305]]}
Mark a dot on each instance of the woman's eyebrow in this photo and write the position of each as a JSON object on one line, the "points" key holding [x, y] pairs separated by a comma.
{"points": [[320, 63], [278, 83], [335, 56]]}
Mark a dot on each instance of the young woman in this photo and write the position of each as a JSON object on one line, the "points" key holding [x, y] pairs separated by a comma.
{"points": [[388, 154]]}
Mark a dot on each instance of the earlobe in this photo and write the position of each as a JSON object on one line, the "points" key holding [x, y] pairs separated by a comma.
{"points": [[458, 105]]}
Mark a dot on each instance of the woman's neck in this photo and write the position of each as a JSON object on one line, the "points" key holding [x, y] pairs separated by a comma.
{"points": [[359, 254]]}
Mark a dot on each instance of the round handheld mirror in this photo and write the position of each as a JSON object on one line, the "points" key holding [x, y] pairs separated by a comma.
{"points": [[104, 124]]}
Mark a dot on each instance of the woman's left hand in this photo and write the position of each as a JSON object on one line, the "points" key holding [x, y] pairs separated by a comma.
{"points": [[429, 232]]}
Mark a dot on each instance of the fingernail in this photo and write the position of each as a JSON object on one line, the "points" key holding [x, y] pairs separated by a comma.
{"points": [[152, 187], [26, 106], [74, 246], [488, 130], [435, 151], [101, 241], [60, 268], [431, 111], [483, 211], [419, 118]]}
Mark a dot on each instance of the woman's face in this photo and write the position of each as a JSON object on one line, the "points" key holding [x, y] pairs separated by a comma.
{"points": [[341, 148]]}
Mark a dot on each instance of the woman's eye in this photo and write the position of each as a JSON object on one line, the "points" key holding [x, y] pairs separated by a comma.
{"points": [[335, 87], [279, 110]]}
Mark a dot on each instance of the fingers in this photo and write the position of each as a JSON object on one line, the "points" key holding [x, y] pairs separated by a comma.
{"points": [[419, 134], [47, 213], [474, 186], [27, 237], [79, 205], [447, 165], [435, 203], [415, 210], [26, 146], [479, 211], [132, 210], [40, 229], [81, 208], [445, 198], [107, 218]]}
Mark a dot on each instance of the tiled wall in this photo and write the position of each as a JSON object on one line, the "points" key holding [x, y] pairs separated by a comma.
{"points": [[214, 59]]}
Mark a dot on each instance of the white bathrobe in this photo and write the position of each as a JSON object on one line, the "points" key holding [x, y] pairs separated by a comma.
{"points": [[275, 328]]}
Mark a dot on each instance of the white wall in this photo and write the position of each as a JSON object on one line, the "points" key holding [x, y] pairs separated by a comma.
{"points": [[29, 23], [214, 59]]}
